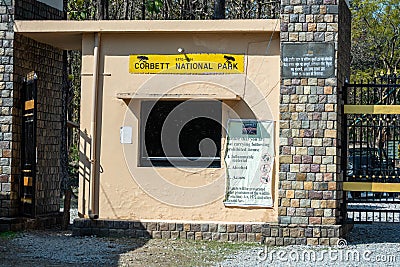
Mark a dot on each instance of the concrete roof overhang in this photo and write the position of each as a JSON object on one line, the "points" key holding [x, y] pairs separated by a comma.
{"points": [[67, 35]]}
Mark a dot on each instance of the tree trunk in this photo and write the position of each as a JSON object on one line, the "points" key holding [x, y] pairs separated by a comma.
{"points": [[105, 9], [219, 9], [126, 9], [144, 10], [67, 207]]}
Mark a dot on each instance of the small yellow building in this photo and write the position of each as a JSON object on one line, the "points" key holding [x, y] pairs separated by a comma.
{"points": [[157, 98], [137, 91]]}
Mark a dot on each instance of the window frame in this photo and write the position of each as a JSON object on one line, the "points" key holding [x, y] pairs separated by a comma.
{"points": [[190, 162]]}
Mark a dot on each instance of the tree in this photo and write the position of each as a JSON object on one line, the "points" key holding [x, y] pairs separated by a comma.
{"points": [[172, 9], [375, 37], [219, 9]]}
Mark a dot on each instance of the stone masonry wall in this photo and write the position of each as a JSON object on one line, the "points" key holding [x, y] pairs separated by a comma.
{"points": [[310, 177], [270, 234], [8, 180], [47, 63], [32, 10], [343, 75], [19, 56], [344, 45]]}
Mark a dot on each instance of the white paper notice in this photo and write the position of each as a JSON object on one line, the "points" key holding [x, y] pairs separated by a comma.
{"points": [[249, 160]]}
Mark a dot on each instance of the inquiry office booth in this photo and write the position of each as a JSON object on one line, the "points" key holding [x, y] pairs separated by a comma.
{"points": [[159, 102]]}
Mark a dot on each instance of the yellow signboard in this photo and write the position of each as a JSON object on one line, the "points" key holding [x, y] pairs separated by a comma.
{"points": [[187, 64]]}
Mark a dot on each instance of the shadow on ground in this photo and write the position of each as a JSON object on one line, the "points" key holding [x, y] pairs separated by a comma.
{"points": [[60, 248], [374, 233], [57, 248]]}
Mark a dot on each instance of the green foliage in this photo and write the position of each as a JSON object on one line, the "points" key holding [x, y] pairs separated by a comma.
{"points": [[171, 10], [375, 37], [8, 235], [73, 165], [358, 75], [74, 154], [75, 10], [154, 6], [81, 9]]}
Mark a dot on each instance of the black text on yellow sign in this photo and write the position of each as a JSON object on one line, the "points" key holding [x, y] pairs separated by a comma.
{"points": [[187, 64]]}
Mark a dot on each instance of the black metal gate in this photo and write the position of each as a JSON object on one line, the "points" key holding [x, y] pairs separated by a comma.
{"points": [[372, 158], [28, 145]]}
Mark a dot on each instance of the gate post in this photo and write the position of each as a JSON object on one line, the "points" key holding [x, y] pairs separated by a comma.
{"points": [[315, 54]]}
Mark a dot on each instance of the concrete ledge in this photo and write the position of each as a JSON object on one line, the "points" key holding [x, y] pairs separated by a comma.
{"points": [[67, 35], [144, 26], [270, 234]]}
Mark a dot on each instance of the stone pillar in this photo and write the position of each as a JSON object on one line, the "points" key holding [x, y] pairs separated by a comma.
{"points": [[19, 56], [8, 182], [310, 187]]}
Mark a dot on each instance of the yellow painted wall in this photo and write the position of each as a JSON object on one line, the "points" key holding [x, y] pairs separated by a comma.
{"points": [[127, 191]]}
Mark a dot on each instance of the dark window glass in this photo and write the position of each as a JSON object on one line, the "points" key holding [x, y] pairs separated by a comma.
{"points": [[181, 133]]}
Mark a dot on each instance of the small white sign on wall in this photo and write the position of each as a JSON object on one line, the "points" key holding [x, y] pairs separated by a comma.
{"points": [[126, 135]]}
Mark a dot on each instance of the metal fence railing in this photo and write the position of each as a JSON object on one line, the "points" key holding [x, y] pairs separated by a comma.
{"points": [[372, 149]]}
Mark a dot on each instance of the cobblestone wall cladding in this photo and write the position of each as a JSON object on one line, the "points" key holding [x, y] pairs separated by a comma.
{"points": [[20, 55], [34, 10], [8, 180], [270, 234], [48, 65], [310, 122]]}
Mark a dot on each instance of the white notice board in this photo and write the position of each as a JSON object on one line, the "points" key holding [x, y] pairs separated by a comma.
{"points": [[249, 161]]}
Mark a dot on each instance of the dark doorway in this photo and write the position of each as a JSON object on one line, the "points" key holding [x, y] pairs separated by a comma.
{"points": [[28, 145]]}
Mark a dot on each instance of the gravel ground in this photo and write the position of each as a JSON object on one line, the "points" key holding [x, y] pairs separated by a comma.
{"points": [[367, 245], [50, 248], [375, 244], [57, 248]]}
